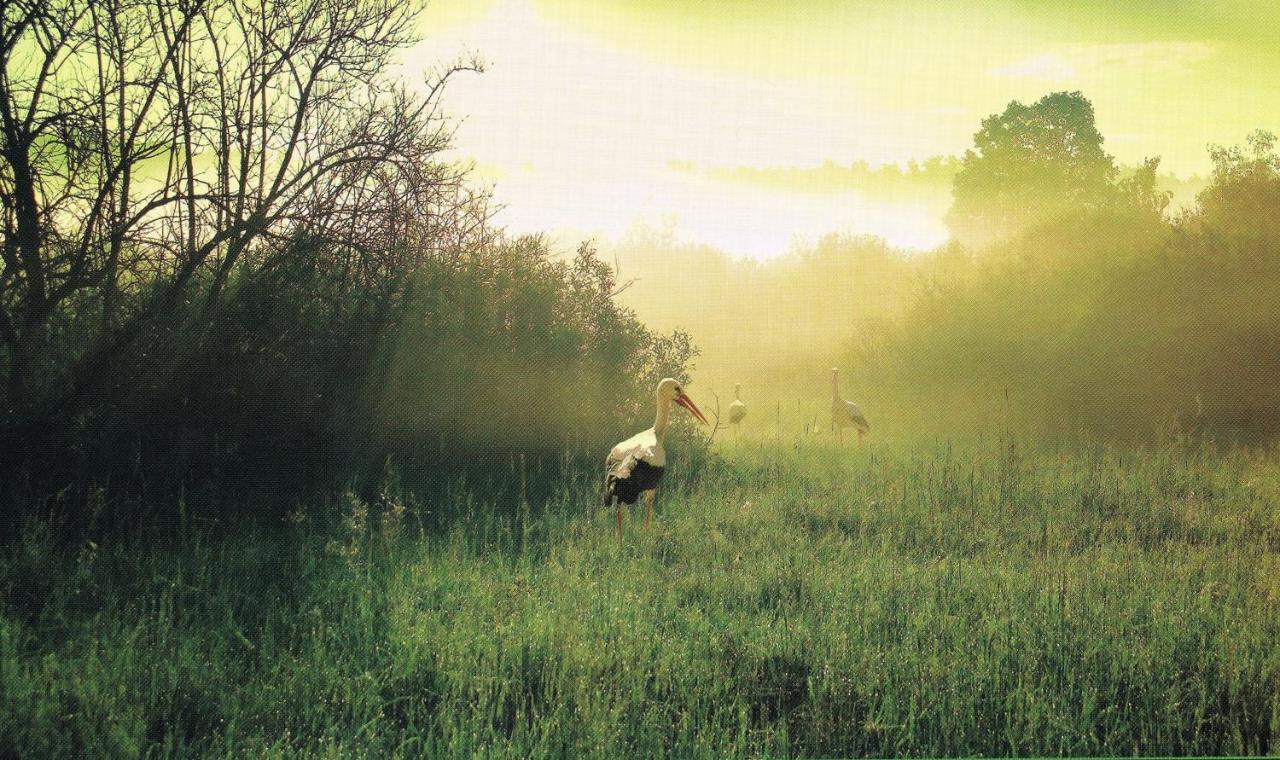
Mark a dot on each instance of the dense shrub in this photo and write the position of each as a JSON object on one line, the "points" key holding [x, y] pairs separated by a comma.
{"points": [[300, 381], [516, 351]]}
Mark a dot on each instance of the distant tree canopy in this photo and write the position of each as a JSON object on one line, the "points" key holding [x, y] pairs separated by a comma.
{"points": [[776, 318], [1245, 191], [1039, 162], [915, 180], [1124, 327]]}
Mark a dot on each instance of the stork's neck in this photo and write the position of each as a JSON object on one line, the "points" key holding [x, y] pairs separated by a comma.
{"points": [[664, 416], [835, 386]]}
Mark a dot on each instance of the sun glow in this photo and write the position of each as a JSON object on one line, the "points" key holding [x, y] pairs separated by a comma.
{"points": [[586, 105]]}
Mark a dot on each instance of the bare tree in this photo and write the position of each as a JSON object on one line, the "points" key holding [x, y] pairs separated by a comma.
{"points": [[152, 147]]}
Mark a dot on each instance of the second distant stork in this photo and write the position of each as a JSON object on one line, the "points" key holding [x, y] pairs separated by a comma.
{"points": [[845, 413], [737, 410]]}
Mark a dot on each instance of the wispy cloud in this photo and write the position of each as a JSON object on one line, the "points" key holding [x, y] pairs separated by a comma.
{"points": [[1159, 55], [1077, 60], [1043, 66]]}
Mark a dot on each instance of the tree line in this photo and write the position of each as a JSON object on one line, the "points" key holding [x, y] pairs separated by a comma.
{"points": [[1076, 304], [1072, 299]]}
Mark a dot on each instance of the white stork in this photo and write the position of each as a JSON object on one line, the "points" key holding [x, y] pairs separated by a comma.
{"points": [[737, 410], [845, 413], [635, 466]]}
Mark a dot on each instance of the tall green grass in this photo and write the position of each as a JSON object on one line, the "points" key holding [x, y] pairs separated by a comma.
{"points": [[794, 600]]}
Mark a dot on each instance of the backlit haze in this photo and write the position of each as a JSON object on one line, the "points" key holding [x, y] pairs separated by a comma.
{"points": [[595, 115]]}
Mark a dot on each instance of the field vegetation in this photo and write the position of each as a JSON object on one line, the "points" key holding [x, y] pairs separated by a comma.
{"points": [[915, 599]]}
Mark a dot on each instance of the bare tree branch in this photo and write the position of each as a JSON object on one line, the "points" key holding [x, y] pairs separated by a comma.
{"points": [[152, 147]]}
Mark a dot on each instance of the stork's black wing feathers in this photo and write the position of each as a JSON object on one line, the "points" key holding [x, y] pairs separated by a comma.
{"points": [[626, 480]]}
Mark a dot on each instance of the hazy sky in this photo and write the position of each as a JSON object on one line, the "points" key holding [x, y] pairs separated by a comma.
{"points": [[586, 102]]}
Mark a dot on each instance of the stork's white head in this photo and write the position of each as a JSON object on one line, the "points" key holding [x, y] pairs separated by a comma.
{"points": [[670, 390]]}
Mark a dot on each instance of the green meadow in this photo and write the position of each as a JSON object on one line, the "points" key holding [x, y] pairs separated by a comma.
{"points": [[792, 599]]}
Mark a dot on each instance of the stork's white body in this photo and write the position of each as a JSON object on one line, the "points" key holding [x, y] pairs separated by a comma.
{"points": [[644, 446], [845, 413], [848, 414], [737, 410]]}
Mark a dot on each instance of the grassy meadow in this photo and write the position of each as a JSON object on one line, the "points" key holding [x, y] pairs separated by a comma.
{"points": [[792, 599]]}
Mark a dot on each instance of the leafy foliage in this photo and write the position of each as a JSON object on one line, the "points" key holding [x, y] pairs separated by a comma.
{"points": [[517, 351], [1032, 164], [1242, 200]]}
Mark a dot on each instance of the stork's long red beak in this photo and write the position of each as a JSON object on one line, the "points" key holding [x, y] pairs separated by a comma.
{"points": [[687, 403]]}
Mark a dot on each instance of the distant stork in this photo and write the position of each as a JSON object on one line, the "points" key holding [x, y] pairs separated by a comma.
{"points": [[845, 413], [635, 466], [737, 410]]}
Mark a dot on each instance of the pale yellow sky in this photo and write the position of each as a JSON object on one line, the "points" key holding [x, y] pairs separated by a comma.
{"points": [[586, 102]]}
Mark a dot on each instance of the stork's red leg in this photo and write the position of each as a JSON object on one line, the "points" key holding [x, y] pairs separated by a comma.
{"points": [[648, 511], [619, 522]]}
